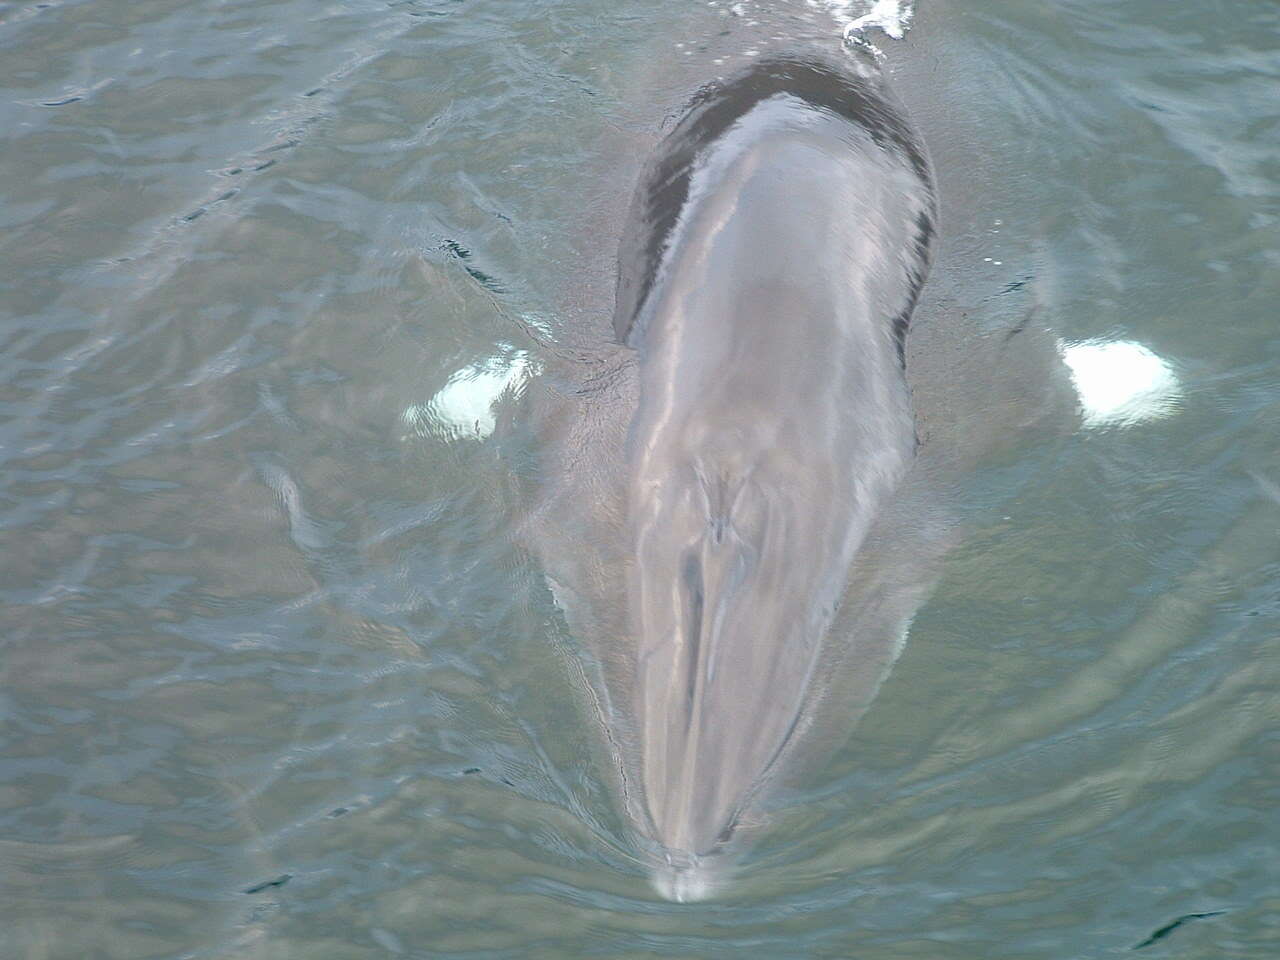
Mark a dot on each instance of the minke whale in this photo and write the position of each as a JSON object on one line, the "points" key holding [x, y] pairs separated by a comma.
{"points": [[719, 472]]}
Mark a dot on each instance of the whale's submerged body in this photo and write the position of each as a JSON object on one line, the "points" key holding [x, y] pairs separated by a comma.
{"points": [[726, 469]]}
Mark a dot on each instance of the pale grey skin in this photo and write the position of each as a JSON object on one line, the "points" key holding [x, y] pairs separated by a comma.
{"points": [[774, 422], [714, 479]]}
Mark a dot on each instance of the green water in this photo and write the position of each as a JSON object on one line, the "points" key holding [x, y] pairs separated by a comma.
{"points": [[276, 681]]}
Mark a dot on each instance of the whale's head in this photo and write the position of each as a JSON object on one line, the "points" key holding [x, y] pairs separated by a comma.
{"points": [[729, 622]]}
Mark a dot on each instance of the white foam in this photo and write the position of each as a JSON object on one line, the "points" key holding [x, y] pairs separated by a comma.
{"points": [[859, 16], [1120, 382]]}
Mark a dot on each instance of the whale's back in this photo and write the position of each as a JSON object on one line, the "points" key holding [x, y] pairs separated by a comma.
{"points": [[778, 241]]}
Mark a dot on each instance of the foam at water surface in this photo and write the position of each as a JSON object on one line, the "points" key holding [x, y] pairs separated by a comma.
{"points": [[857, 17]]}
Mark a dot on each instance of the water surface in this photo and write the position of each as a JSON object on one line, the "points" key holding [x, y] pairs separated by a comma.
{"points": [[277, 681]]}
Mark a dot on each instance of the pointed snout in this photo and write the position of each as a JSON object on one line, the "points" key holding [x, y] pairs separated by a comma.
{"points": [[687, 878]]}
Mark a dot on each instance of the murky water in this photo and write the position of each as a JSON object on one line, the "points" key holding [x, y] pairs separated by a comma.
{"points": [[278, 682]]}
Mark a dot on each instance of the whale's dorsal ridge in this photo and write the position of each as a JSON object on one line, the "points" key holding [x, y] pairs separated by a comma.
{"points": [[824, 84]]}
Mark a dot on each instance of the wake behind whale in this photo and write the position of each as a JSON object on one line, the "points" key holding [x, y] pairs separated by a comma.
{"points": [[717, 478]]}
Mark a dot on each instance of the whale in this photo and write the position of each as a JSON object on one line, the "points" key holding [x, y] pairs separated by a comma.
{"points": [[719, 474]]}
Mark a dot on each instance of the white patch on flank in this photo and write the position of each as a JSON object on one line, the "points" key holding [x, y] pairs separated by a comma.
{"points": [[1269, 487], [463, 407], [1120, 382]]}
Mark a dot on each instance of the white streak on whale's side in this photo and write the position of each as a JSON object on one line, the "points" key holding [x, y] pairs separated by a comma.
{"points": [[464, 406], [1120, 383]]}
